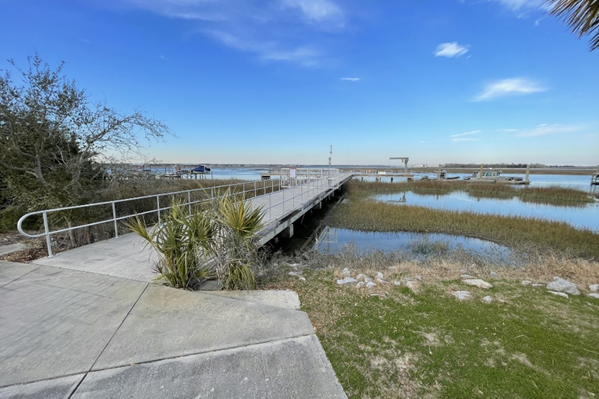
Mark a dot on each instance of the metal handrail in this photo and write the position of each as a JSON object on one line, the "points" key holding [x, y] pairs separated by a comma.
{"points": [[266, 187]]}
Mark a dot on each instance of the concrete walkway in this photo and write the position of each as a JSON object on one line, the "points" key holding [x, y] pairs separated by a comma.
{"points": [[67, 333]]}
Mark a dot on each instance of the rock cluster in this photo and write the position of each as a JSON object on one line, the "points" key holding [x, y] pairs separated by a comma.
{"points": [[559, 286]]}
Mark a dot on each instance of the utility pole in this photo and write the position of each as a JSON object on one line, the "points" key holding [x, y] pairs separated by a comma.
{"points": [[330, 154]]}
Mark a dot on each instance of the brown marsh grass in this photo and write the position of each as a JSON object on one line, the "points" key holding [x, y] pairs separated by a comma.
{"points": [[553, 195]]}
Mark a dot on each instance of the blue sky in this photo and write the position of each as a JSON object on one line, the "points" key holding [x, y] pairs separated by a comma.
{"points": [[278, 81]]}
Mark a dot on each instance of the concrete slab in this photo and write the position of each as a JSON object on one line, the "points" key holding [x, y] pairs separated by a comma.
{"points": [[59, 388], [167, 322], [281, 298], [125, 257], [9, 249], [11, 271], [292, 368], [56, 322]]}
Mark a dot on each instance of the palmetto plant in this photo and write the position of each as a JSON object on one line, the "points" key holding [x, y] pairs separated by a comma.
{"points": [[238, 222], [183, 243], [217, 240], [581, 15]]}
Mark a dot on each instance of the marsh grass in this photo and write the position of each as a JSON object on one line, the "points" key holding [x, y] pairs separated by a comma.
{"points": [[391, 341], [524, 234], [552, 195]]}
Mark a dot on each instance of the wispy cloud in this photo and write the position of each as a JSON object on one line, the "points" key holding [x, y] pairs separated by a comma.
{"points": [[466, 133], [163, 58], [509, 87], [276, 31], [507, 130], [518, 5], [547, 129], [460, 139], [450, 50], [317, 10], [351, 79], [271, 51]]}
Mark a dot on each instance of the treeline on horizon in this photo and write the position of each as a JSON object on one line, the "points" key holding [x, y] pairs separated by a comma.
{"points": [[506, 165]]}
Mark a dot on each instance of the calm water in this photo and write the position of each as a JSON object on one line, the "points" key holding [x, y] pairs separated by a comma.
{"points": [[333, 240], [586, 216]]}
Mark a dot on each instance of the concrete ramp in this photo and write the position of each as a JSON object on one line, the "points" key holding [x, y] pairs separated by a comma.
{"points": [[67, 333]]}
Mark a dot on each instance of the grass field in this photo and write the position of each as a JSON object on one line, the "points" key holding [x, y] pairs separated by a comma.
{"points": [[396, 342]]}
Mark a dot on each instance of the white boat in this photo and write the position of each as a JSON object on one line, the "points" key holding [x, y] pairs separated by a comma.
{"points": [[494, 176]]}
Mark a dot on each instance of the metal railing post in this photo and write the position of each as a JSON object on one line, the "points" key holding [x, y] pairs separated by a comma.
{"points": [[189, 202], [158, 207], [47, 230], [116, 228]]}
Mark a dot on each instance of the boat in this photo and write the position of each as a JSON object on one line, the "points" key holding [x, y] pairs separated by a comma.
{"points": [[494, 176], [201, 169], [595, 179]]}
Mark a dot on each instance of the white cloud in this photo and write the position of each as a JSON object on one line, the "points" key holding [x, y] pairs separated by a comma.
{"points": [[509, 87], [277, 31], [520, 5], [317, 10], [466, 133], [268, 51], [163, 58], [460, 139], [547, 129], [450, 50], [351, 79]]}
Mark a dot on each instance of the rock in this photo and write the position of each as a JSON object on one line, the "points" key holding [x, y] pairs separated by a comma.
{"points": [[526, 282], [462, 295], [294, 265], [593, 295], [301, 278], [397, 283], [368, 280], [487, 299], [466, 276], [379, 275], [370, 284], [345, 272], [561, 285], [477, 283], [594, 287], [294, 274], [537, 284], [361, 277], [559, 294], [414, 286], [347, 280], [361, 284], [392, 267], [494, 275]]}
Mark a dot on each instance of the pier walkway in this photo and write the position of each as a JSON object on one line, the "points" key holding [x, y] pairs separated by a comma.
{"points": [[90, 323]]}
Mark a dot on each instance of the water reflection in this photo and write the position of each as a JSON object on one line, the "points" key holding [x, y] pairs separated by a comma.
{"points": [[333, 240], [584, 216]]}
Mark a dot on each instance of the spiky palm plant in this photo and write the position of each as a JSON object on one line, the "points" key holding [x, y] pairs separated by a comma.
{"points": [[183, 242], [239, 222], [581, 15]]}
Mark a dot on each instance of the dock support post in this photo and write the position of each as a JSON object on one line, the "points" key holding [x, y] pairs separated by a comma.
{"points": [[288, 232], [527, 173]]}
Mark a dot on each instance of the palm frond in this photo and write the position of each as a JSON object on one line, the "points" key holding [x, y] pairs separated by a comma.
{"points": [[581, 15]]}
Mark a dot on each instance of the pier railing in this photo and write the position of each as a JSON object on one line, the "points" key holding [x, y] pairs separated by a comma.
{"points": [[116, 211]]}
